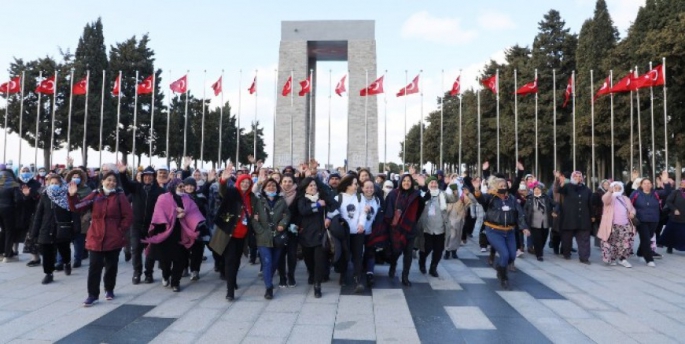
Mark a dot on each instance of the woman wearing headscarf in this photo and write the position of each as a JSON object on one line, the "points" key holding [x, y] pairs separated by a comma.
{"points": [[673, 236], [111, 219], [647, 203], [598, 206], [175, 225], [615, 229], [288, 259], [53, 226], [539, 209], [271, 217], [191, 188], [403, 207], [576, 216], [9, 195], [26, 208], [434, 223], [81, 221]]}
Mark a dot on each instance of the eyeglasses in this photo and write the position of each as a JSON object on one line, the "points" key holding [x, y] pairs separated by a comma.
{"points": [[180, 186]]}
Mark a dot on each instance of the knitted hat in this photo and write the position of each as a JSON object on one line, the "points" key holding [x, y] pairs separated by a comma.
{"points": [[149, 170], [430, 179], [190, 181]]}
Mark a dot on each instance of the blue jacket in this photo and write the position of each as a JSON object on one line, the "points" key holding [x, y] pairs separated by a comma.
{"points": [[647, 206]]}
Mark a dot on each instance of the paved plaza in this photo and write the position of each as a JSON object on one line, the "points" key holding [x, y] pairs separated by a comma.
{"points": [[555, 301]]}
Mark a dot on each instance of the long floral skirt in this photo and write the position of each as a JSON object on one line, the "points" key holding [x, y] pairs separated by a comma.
{"points": [[620, 243]]}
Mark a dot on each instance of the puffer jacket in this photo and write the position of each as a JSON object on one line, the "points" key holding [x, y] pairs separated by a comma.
{"points": [[266, 219], [497, 214], [111, 217]]}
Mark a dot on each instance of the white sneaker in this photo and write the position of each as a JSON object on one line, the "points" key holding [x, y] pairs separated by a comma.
{"points": [[651, 264], [519, 253], [483, 249], [612, 263], [625, 263]]}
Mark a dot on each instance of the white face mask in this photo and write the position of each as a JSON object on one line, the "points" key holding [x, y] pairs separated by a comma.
{"points": [[107, 191], [435, 192], [200, 182], [617, 193], [180, 193]]}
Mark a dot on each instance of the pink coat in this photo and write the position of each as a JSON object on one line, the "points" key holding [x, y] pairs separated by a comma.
{"points": [[608, 215], [165, 214]]}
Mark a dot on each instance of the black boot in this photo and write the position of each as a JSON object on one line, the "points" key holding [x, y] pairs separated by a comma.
{"points": [[502, 276], [422, 262], [433, 271], [454, 254], [136, 278], [342, 281], [447, 254], [67, 269], [230, 295], [317, 290], [359, 287], [269, 293], [405, 279], [391, 272], [370, 280]]}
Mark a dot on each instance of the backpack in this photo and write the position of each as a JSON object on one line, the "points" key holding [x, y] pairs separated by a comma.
{"points": [[656, 195]]}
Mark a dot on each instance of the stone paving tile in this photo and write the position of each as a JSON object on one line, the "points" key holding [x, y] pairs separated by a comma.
{"points": [[469, 318], [318, 314], [307, 334], [600, 331], [223, 331], [276, 325]]}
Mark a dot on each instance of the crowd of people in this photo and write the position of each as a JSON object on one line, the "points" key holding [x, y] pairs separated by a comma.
{"points": [[342, 222]]}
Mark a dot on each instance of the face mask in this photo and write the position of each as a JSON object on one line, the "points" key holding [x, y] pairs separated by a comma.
{"points": [[537, 194], [617, 193], [200, 182], [180, 193], [42, 174], [53, 188], [77, 181], [107, 191], [26, 176], [271, 194], [434, 193], [254, 180], [502, 191]]}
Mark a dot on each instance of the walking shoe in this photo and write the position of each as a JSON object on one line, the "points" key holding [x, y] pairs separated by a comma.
{"points": [[625, 263], [136, 279], [668, 250], [127, 256], [519, 253], [186, 273], [47, 279], [77, 264], [194, 276], [540, 259], [656, 255], [269, 293], [109, 295], [291, 281], [483, 249], [67, 269], [447, 255], [422, 268], [59, 267], [454, 255], [651, 264], [90, 300], [370, 281], [33, 263], [148, 279], [230, 296], [433, 272], [317, 291], [359, 288], [283, 283], [612, 263], [586, 262], [405, 279], [166, 283], [176, 289]]}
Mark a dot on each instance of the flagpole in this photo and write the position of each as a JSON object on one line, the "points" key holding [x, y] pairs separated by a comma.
{"points": [[202, 135], [404, 145], [168, 124], [221, 117], [21, 115], [311, 110], [639, 125], [421, 124], [663, 71], [611, 85], [537, 148], [460, 121], [479, 164], [237, 140], [442, 112], [254, 130], [497, 81], [632, 129], [366, 117], [516, 117], [135, 121], [330, 88], [291, 117], [185, 123], [592, 120], [116, 145], [35, 158], [385, 129], [651, 100], [52, 125], [7, 105], [573, 115], [84, 147], [71, 98], [554, 114], [275, 115], [152, 113], [102, 115]]}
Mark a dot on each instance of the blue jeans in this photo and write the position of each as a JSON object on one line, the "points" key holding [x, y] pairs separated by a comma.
{"points": [[269, 257], [504, 242]]}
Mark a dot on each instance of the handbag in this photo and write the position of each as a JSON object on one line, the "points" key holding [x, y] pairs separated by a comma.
{"points": [[635, 222], [64, 231]]}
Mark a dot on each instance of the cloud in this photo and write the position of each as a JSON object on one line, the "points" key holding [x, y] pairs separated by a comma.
{"points": [[424, 26], [495, 21], [623, 13]]}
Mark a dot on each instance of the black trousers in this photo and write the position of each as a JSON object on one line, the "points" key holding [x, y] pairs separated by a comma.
{"points": [[646, 230], [49, 252], [288, 261], [433, 243], [252, 246], [109, 260], [137, 248], [482, 238], [315, 261], [582, 238], [357, 254], [407, 256], [232, 255], [173, 269], [539, 239], [8, 230], [197, 251]]}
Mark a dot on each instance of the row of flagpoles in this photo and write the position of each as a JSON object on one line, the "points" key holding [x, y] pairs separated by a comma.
{"points": [[633, 82]]}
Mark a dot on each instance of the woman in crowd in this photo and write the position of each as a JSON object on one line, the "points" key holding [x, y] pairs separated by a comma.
{"points": [[673, 236], [371, 206], [26, 208], [403, 207], [456, 215], [9, 194], [190, 188], [575, 216], [312, 212], [502, 215], [647, 203], [434, 223], [111, 218], [615, 229], [271, 217], [539, 210], [53, 226], [288, 260], [174, 228], [387, 187], [81, 221], [364, 175], [351, 211]]}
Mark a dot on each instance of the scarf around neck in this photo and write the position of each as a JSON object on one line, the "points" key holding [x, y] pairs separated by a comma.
{"points": [[58, 196], [314, 198], [289, 196]]}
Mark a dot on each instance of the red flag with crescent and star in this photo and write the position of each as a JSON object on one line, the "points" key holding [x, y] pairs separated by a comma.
{"points": [[288, 87], [456, 87], [253, 87], [11, 86], [490, 83], [81, 87], [654, 77], [412, 88], [217, 86], [531, 87], [145, 87], [180, 85], [376, 87], [46, 86], [568, 92], [624, 85], [604, 90], [305, 86], [340, 87], [117, 86]]}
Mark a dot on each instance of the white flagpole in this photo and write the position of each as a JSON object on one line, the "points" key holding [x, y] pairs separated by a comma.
{"points": [[202, 135], [442, 112], [537, 149], [310, 126], [592, 120], [7, 105], [21, 115], [663, 70], [35, 158], [366, 118], [479, 164], [185, 123], [84, 147], [135, 121], [237, 133], [632, 129], [221, 117], [516, 117], [291, 117], [460, 122], [168, 124], [254, 130], [52, 125], [116, 145], [573, 114], [651, 100], [273, 157], [152, 113], [639, 125], [330, 93], [421, 125], [71, 98], [102, 115], [611, 85], [497, 81], [554, 114], [385, 129], [404, 145]]}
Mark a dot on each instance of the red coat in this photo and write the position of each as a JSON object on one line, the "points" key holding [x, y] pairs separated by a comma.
{"points": [[111, 218]]}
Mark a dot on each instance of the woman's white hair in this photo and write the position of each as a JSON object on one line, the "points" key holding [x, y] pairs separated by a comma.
{"points": [[611, 186], [493, 182]]}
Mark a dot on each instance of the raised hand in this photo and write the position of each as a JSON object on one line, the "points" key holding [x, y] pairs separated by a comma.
{"points": [[211, 175], [121, 167], [251, 159], [226, 174], [260, 163], [70, 161], [229, 167], [486, 165], [187, 160], [73, 189], [519, 166]]}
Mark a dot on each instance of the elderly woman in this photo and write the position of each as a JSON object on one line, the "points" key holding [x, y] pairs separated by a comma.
{"points": [[26, 207], [434, 223], [576, 216], [9, 193], [673, 235], [539, 209], [647, 203], [616, 229]]}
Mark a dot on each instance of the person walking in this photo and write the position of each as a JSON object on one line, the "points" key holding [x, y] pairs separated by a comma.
{"points": [[616, 229], [576, 212], [673, 236], [9, 194], [539, 210], [312, 211], [434, 222], [26, 208], [647, 203], [288, 260]]}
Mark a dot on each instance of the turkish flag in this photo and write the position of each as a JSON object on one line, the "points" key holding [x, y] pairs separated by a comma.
{"points": [[305, 86], [456, 87], [46, 86], [624, 85], [288, 87], [376, 87], [490, 83], [11, 86], [117, 86], [605, 89], [531, 87], [253, 87], [412, 88], [217, 86], [145, 87], [180, 85], [654, 77], [568, 92], [80, 88], [340, 87]]}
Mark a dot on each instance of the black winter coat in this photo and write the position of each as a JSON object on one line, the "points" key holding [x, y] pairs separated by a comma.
{"points": [[528, 209], [576, 210], [45, 222], [143, 199], [26, 205], [312, 220]]}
